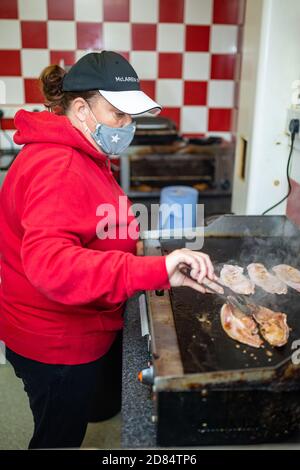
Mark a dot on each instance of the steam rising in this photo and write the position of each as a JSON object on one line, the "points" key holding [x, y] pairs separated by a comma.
{"points": [[269, 251]]}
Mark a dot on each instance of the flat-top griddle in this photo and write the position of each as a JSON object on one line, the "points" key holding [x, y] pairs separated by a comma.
{"points": [[204, 346], [208, 388]]}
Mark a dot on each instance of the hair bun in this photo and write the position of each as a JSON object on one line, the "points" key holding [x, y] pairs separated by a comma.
{"points": [[51, 81]]}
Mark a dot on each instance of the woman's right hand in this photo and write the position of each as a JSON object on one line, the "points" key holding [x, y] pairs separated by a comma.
{"points": [[200, 267]]}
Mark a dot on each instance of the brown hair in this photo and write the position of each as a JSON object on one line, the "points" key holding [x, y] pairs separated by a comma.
{"points": [[57, 100]]}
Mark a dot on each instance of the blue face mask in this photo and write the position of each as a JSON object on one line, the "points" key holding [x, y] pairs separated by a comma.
{"points": [[113, 140]]}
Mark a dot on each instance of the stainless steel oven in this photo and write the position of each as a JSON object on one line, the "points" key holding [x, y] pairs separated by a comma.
{"points": [[145, 169]]}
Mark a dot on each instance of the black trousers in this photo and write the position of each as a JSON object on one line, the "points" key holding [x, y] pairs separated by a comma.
{"points": [[63, 398]]}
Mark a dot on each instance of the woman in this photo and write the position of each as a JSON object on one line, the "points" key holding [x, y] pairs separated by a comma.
{"points": [[64, 281]]}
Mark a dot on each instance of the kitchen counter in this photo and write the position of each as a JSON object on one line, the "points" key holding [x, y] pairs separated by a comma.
{"points": [[137, 427]]}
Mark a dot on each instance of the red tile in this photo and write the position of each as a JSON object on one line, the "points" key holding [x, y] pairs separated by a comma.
{"points": [[227, 11], [195, 93], [7, 124], [172, 113], [143, 37], [67, 56], [220, 120], [171, 11], [148, 87], [116, 10], [197, 38], [10, 63], [89, 36], [223, 66], [293, 203], [61, 9], [8, 9], [34, 34], [170, 65], [32, 91]]}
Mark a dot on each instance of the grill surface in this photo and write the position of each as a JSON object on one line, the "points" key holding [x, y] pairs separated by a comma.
{"points": [[209, 389], [203, 344]]}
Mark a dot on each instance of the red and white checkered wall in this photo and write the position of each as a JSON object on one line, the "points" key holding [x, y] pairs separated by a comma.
{"points": [[186, 52]]}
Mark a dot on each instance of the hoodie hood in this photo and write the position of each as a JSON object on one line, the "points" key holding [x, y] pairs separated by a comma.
{"points": [[45, 127]]}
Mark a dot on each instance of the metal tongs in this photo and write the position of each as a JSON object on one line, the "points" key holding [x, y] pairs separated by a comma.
{"points": [[236, 300]]}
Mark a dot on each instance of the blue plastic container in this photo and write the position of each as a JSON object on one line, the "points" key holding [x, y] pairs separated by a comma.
{"points": [[178, 208]]}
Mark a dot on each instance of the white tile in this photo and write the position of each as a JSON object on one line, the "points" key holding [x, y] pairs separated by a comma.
{"points": [[13, 90], [61, 35], [34, 107], [145, 64], [223, 39], [196, 66], [117, 36], [221, 93], [198, 11], [80, 53], [33, 61], [8, 144], [144, 11], [10, 111], [32, 9], [193, 119], [170, 37], [10, 34], [169, 92], [89, 11], [2, 92]]}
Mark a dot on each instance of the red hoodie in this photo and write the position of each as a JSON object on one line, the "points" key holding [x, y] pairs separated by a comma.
{"points": [[63, 288]]}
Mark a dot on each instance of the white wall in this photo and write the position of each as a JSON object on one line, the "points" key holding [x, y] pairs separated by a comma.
{"points": [[271, 62]]}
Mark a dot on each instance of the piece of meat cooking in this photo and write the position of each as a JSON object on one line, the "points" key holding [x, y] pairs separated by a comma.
{"points": [[233, 277], [272, 326], [239, 326], [259, 274], [288, 275]]}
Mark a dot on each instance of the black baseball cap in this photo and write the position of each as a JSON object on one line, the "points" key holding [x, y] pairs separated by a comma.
{"points": [[115, 79]]}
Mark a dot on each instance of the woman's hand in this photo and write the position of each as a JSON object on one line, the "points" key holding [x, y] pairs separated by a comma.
{"points": [[200, 266]]}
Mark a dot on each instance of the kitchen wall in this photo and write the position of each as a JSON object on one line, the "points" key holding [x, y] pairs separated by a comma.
{"points": [[186, 52], [270, 64]]}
